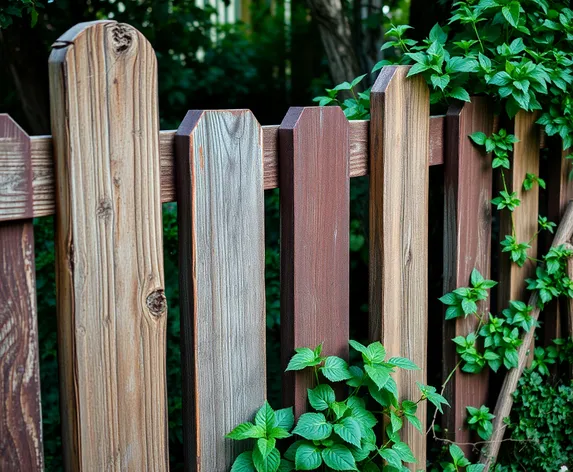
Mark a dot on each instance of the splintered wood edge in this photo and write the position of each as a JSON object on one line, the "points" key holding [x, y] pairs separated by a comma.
{"points": [[43, 169]]}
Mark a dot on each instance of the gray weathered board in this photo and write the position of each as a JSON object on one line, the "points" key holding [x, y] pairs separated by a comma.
{"points": [[109, 252], [222, 280]]}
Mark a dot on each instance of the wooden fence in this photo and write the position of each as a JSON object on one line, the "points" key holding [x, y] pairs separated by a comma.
{"points": [[104, 173]]}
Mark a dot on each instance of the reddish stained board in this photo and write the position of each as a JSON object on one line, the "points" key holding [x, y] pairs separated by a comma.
{"points": [[314, 183], [20, 414], [467, 245]]}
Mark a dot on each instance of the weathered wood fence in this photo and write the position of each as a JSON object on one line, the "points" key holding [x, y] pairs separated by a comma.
{"points": [[104, 173]]}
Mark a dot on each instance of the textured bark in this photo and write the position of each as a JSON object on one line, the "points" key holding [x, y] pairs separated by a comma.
{"points": [[336, 37]]}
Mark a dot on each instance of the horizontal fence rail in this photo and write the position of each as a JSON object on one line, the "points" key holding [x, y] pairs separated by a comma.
{"points": [[104, 174], [43, 196]]}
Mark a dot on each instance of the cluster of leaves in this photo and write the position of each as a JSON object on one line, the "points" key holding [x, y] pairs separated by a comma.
{"points": [[552, 280], [17, 8], [541, 422], [519, 52], [479, 419], [500, 336], [501, 144], [338, 434], [457, 461]]}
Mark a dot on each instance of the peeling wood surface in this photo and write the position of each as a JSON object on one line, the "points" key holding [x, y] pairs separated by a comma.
{"points": [[21, 446], [222, 281], [109, 252]]}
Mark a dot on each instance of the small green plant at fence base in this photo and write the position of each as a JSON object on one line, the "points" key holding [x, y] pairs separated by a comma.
{"points": [[339, 434], [457, 462]]}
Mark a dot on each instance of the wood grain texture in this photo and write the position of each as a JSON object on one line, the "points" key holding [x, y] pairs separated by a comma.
{"points": [[15, 171], [399, 153], [525, 159], [20, 412], [504, 403], [43, 186], [222, 281], [109, 253], [315, 218], [467, 245], [438, 140], [559, 193]]}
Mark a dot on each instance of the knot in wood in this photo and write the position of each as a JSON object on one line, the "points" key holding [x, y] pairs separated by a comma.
{"points": [[122, 37], [156, 302], [104, 209]]}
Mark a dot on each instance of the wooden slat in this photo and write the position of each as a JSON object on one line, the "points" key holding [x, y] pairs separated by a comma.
{"points": [[109, 253], [20, 413], [399, 153], [315, 218], [559, 192], [467, 245], [222, 280], [525, 159], [437, 140], [43, 198]]}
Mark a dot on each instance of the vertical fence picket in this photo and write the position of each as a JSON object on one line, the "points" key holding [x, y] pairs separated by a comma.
{"points": [[512, 285], [222, 281], [467, 245], [315, 213], [20, 413], [399, 179], [109, 253], [559, 192]]}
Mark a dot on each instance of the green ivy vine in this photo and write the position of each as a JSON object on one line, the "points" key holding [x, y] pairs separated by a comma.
{"points": [[520, 54]]}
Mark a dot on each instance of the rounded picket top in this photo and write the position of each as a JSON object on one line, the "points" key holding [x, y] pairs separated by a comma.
{"points": [[119, 39]]}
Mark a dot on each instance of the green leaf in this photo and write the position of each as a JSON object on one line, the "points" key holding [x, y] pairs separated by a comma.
{"points": [[415, 422], [379, 374], [313, 426], [244, 463], [511, 13], [284, 418], [278, 433], [349, 430], [391, 457], [308, 457], [357, 346], [335, 369], [404, 451], [375, 353], [270, 463], [265, 446], [395, 421], [440, 81], [246, 431], [321, 397], [478, 137], [460, 93], [456, 453], [357, 80], [265, 417], [339, 457], [403, 363], [303, 358]]}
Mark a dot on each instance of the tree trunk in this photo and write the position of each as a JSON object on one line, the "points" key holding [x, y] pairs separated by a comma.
{"points": [[336, 38]]}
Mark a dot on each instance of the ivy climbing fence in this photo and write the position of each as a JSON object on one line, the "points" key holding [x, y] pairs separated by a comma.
{"points": [[105, 172]]}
